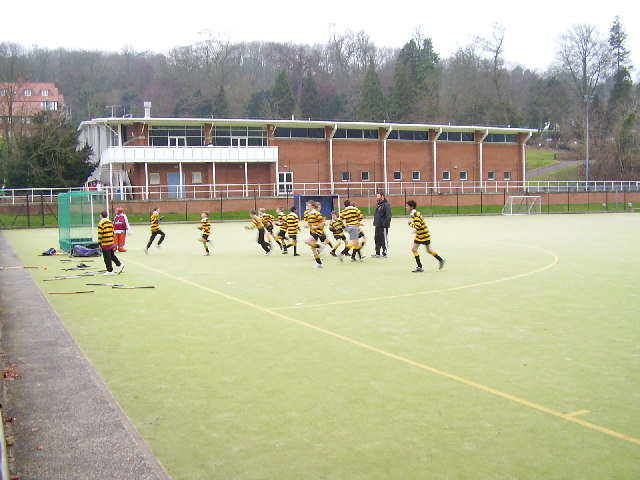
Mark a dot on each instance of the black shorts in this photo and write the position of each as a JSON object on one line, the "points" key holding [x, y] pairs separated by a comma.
{"points": [[205, 237], [340, 237], [282, 233], [426, 242], [319, 236]]}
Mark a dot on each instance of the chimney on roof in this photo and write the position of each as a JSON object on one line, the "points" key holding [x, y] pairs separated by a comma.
{"points": [[147, 109]]}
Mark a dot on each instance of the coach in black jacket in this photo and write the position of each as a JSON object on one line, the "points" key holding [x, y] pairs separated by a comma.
{"points": [[381, 221]]}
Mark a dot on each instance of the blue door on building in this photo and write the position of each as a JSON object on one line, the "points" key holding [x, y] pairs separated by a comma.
{"points": [[176, 187]]}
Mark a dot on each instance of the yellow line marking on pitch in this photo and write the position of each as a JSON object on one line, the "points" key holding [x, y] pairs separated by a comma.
{"points": [[407, 361], [578, 412], [554, 261]]}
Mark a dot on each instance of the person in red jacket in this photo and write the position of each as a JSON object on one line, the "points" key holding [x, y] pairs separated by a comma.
{"points": [[120, 229]]}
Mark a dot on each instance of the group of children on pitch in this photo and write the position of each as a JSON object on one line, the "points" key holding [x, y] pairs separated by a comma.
{"points": [[111, 235], [346, 224]]}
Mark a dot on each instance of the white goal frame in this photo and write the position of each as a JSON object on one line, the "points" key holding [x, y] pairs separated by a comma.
{"points": [[522, 205]]}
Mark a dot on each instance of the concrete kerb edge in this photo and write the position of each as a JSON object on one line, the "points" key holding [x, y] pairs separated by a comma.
{"points": [[4, 464]]}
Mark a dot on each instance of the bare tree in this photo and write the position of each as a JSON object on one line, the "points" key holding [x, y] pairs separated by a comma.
{"points": [[584, 61], [585, 66], [494, 47]]}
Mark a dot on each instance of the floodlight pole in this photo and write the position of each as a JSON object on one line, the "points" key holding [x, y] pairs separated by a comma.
{"points": [[587, 99]]}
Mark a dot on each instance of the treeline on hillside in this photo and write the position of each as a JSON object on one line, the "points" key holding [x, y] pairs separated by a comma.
{"points": [[350, 78]]}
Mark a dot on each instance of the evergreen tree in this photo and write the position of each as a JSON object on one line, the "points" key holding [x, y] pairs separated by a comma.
{"points": [[47, 155], [621, 94], [309, 99], [220, 105], [258, 106], [195, 105], [402, 95], [415, 78], [628, 148], [282, 97], [332, 107], [617, 40], [373, 105]]}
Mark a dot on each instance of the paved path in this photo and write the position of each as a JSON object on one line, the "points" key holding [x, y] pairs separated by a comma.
{"points": [[552, 168], [66, 423]]}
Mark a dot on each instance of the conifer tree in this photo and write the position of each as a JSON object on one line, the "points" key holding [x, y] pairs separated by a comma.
{"points": [[282, 97], [617, 40], [403, 94], [415, 76], [373, 105], [48, 155], [309, 99], [220, 105]]}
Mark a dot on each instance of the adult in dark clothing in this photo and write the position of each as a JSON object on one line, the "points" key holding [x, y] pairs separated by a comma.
{"points": [[381, 222]]}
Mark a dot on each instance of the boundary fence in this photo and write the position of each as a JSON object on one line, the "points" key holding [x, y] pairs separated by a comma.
{"points": [[38, 208], [280, 190]]}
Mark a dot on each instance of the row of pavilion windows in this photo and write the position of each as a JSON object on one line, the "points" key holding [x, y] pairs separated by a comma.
{"points": [[227, 136], [196, 177], [416, 176]]}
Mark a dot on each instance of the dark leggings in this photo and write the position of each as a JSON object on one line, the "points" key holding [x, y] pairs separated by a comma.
{"points": [[109, 256], [263, 243], [154, 235]]}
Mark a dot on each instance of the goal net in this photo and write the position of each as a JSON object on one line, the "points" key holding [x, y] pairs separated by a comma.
{"points": [[78, 216], [522, 205]]}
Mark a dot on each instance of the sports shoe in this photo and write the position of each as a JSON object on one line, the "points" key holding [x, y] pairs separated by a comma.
{"points": [[146, 250], [341, 257], [284, 252], [375, 256], [206, 254], [353, 259], [384, 255], [296, 254], [333, 253], [108, 273], [418, 270], [441, 264], [318, 265], [267, 253], [120, 268]]}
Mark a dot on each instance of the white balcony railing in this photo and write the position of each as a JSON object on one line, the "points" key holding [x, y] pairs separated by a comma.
{"points": [[189, 154]]}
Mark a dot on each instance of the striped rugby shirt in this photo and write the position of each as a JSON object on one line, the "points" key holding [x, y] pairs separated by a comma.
{"points": [[316, 222], [205, 226], [419, 225], [351, 216], [336, 227], [105, 233], [267, 219], [292, 223], [155, 222]]}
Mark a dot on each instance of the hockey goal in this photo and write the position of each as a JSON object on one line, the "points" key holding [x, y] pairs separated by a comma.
{"points": [[522, 205]]}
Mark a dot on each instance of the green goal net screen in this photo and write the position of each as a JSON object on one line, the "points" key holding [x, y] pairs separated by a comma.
{"points": [[78, 214]]}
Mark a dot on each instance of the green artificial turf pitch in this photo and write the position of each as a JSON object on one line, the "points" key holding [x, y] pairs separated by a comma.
{"points": [[519, 360]]}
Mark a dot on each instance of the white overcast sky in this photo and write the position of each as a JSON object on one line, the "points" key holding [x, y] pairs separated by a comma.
{"points": [[531, 29]]}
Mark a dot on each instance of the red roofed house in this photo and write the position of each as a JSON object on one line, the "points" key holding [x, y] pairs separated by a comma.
{"points": [[19, 101]]}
